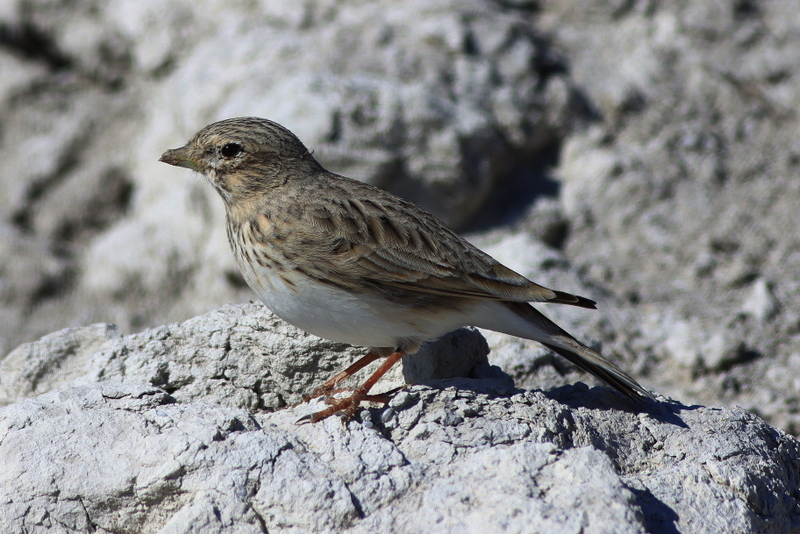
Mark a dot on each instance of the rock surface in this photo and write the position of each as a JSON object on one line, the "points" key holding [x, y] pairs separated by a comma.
{"points": [[652, 144], [117, 454], [240, 356]]}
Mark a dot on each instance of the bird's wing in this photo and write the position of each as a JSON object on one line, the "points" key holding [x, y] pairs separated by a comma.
{"points": [[389, 242]]}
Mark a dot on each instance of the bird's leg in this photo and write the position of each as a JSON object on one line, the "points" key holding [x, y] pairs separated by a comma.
{"points": [[327, 387], [350, 404]]}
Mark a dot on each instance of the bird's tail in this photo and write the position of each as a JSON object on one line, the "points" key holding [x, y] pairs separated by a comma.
{"points": [[559, 341]]}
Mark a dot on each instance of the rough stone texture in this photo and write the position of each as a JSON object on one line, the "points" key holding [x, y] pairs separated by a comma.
{"points": [[214, 449], [681, 197], [128, 458], [653, 143], [240, 356]]}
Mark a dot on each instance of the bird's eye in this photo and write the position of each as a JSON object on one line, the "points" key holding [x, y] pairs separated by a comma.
{"points": [[231, 150]]}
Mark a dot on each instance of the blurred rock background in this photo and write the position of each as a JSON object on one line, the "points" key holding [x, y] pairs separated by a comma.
{"points": [[642, 153]]}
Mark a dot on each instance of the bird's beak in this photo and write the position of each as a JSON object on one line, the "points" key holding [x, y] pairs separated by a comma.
{"points": [[181, 157]]}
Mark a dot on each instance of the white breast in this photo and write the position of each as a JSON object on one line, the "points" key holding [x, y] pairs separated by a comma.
{"points": [[333, 313]]}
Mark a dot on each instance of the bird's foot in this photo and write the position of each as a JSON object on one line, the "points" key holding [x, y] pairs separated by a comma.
{"points": [[348, 406]]}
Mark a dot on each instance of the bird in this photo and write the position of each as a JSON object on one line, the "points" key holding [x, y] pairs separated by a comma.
{"points": [[350, 262]]}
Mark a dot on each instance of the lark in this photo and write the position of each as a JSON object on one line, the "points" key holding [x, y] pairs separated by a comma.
{"points": [[350, 262]]}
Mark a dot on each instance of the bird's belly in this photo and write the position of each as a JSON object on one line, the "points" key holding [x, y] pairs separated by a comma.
{"points": [[333, 313]]}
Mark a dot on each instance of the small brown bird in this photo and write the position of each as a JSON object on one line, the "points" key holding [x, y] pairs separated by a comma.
{"points": [[349, 262]]}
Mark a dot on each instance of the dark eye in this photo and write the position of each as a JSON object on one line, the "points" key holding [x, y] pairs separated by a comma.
{"points": [[231, 150]]}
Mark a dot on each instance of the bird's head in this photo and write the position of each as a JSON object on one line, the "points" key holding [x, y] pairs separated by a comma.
{"points": [[243, 156]]}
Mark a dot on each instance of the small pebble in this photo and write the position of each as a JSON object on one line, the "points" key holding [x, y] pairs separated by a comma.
{"points": [[386, 415]]}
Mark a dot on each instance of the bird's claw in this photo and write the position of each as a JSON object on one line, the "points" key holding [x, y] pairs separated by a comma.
{"points": [[305, 419]]}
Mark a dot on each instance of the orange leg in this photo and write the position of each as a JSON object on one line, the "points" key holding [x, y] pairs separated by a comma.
{"points": [[327, 387], [349, 405]]}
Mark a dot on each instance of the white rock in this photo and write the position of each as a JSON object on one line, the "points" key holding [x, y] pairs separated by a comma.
{"points": [[761, 303]]}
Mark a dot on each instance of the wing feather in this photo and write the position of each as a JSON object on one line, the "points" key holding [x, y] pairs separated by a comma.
{"points": [[394, 243]]}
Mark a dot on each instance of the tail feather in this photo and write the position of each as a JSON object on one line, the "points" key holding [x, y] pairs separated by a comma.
{"points": [[593, 363], [561, 342], [573, 300]]}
